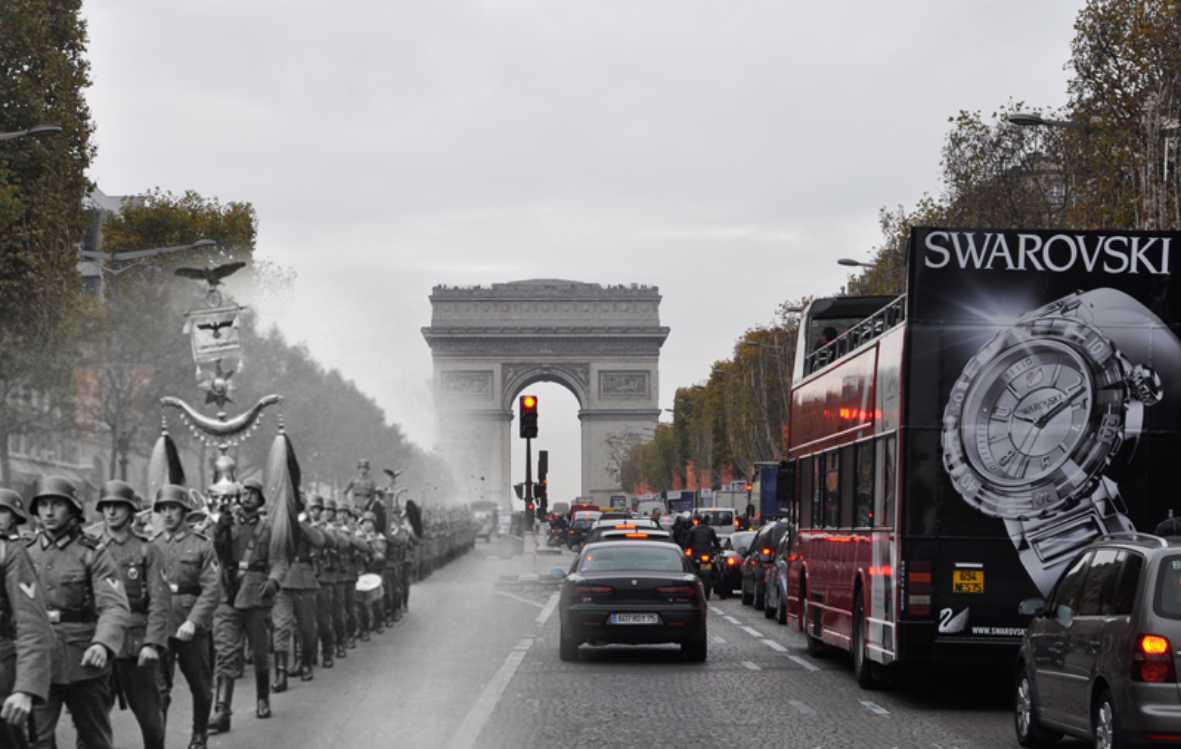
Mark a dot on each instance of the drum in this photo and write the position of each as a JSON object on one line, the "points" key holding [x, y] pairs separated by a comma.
{"points": [[369, 588]]}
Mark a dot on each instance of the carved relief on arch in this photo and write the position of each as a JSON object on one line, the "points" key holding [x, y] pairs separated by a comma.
{"points": [[517, 375]]}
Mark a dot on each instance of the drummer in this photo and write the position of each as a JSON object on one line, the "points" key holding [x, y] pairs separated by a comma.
{"points": [[374, 609]]}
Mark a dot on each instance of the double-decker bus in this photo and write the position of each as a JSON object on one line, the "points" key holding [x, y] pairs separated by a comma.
{"points": [[955, 447]]}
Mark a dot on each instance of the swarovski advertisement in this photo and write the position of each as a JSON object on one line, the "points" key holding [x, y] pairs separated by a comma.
{"points": [[1044, 406]]}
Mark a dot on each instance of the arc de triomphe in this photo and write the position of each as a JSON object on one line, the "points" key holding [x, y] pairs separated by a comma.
{"points": [[489, 343]]}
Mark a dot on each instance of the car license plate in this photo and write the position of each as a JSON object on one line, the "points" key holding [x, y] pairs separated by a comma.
{"points": [[706, 566], [967, 581], [635, 619]]}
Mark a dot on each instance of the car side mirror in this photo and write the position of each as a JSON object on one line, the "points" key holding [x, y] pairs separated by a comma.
{"points": [[557, 572], [1031, 607]]}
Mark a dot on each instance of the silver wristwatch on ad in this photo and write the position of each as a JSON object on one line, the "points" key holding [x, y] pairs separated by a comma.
{"points": [[1036, 418]]}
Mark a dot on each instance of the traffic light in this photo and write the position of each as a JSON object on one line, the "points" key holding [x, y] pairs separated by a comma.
{"points": [[528, 411], [520, 490]]}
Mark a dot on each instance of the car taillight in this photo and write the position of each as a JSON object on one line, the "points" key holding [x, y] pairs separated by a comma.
{"points": [[689, 552], [588, 593], [635, 535], [918, 588], [678, 593], [766, 552], [1152, 662], [705, 557], [731, 561]]}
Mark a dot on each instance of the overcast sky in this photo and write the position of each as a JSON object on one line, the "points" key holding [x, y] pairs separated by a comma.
{"points": [[726, 151]]}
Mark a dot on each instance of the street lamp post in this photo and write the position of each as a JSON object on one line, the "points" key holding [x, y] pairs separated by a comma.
{"points": [[34, 131], [849, 262]]}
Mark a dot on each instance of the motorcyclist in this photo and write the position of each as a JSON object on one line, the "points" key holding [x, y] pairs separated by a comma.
{"points": [[557, 528], [681, 531], [701, 537]]}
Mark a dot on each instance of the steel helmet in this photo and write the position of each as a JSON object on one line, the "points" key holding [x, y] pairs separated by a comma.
{"points": [[370, 516], [316, 501], [15, 503], [254, 484], [363, 463], [118, 492], [174, 494], [330, 504], [56, 487]]}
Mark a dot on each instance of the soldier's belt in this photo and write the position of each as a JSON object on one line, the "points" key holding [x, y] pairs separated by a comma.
{"points": [[139, 607], [253, 566], [185, 590], [57, 616]]}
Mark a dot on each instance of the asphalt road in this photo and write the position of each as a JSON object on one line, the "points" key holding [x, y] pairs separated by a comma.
{"points": [[475, 664]]}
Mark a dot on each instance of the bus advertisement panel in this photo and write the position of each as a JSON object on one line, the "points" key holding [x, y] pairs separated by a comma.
{"points": [[1043, 404]]}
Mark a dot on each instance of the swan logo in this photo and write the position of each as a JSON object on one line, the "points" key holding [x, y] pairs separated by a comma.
{"points": [[951, 623]]}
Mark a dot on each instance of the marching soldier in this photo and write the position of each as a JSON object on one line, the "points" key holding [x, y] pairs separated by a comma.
{"points": [[326, 572], [352, 559], [26, 638], [361, 489], [378, 547], [87, 609], [136, 677], [243, 544], [392, 574], [12, 514], [295, 607], [340, 599], [191, 570]]}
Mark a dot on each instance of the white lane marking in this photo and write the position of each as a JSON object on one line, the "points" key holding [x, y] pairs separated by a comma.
{"points": [[732, 620], [717, 610], [752, 631], [546, 612], [476, 718], [748, 665], [718, 640], [522, 599], [803, 662], [802, 708], [775, 646], [874, 707]]}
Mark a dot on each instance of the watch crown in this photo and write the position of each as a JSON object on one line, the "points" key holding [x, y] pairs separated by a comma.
{"points": [[1146, 385]]}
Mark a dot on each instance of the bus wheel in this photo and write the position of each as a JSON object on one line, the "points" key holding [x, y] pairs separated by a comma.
{"points": [[865, 670]]}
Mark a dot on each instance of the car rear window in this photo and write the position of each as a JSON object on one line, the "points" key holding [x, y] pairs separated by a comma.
{"points": [[1168, 588], [718, 517], [632, 558]]}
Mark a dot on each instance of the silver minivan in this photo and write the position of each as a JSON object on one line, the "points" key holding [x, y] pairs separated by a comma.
{"points": [[1099, 660]]}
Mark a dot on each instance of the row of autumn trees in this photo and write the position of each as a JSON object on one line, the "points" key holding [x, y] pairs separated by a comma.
{"points": [[94, 366], [1109, 159]]}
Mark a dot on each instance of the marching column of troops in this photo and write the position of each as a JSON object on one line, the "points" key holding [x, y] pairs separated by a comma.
{"points": [[103, 615]]}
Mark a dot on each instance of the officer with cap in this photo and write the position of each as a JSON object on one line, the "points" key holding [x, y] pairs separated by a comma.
{"points": [[361, 489], [193, 577], [243, 540], [326, 572], [12, 514], [295, 608], [88, 610], [341, 600], [136, 676], [26, 638]]}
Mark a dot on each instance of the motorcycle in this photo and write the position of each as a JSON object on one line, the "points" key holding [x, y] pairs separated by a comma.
{"points": [[556, 536], [703, 565]]}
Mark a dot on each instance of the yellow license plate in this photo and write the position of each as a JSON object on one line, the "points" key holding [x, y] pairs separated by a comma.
{"points": [[967, 581]]}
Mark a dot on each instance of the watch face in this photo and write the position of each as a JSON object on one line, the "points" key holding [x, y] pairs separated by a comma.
{"points": [[1034, 418], [1026, 412]]}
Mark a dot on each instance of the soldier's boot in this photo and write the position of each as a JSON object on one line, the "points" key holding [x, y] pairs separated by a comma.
{"points": [[198, 740], [219, 722], [352, 640], [295, 667], [377, 617], [262, 683], [280, 684], [340, 651], [309, 659]]}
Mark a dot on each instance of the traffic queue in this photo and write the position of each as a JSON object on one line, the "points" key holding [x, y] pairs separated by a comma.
{"points": [[99, 614]]}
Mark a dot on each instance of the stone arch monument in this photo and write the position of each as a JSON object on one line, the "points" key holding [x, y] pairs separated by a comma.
{"points": [[489, 343]]}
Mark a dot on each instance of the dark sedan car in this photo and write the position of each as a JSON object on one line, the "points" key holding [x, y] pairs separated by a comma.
{"points": [[632, 592], [760, 562], [729, 569]]}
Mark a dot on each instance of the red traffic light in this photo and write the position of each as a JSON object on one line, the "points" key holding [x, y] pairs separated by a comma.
{"points": [[749, 487]]}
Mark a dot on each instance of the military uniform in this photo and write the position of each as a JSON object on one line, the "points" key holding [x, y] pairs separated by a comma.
{"points": [[295, 607], [26, 637], [141, 570], [87, 606], [243, 614], [326, 572], [378, 549], [392, 575], [193, 577], [346, 584], [361, 488]]}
